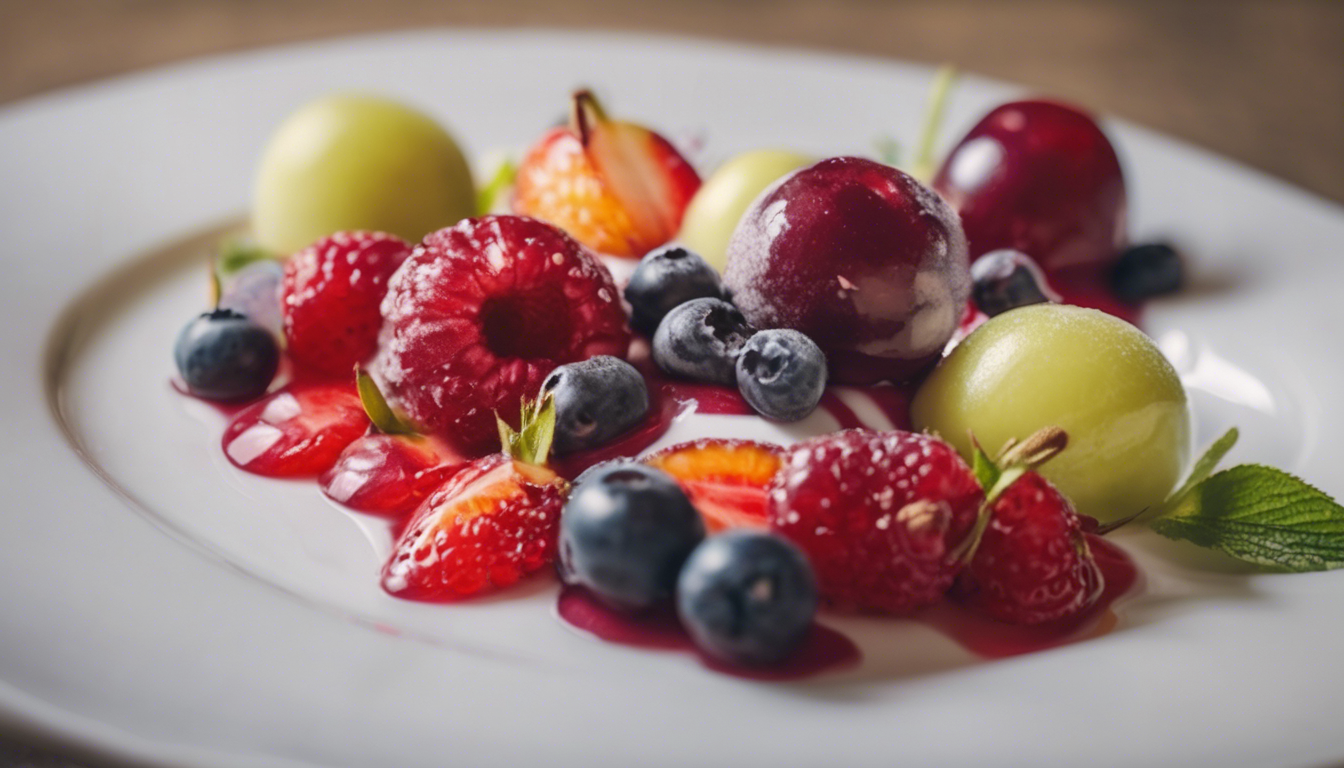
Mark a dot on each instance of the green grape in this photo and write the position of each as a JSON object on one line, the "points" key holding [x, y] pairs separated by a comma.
{"points": [[1100, 379], [358, 162], [713, 213]]}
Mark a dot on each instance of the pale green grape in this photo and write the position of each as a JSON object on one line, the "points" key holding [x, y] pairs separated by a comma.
{"points": [[713, 213], [358, 162], [1100, 379]]}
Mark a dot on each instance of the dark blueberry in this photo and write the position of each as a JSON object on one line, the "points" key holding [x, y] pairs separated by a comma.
{"points": [[665, 278], [782, 374], [595, 400], [1007, 279], [1144, 271], [222, 355], [747, 597], [701, 340], [625, 533]]}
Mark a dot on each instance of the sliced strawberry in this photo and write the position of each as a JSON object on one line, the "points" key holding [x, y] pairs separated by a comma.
{"points": [[557, 183], [492, 523], [481, 313], [390, 474], [298, 431], [330, 296], [726, 480], [618, 187]]}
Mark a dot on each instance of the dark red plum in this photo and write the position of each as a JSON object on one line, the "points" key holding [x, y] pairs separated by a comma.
{"points": [[1041, 178], [862, 259]]}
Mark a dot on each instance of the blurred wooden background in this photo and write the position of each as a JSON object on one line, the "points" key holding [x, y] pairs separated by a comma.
{"points": [[1259, 80]]}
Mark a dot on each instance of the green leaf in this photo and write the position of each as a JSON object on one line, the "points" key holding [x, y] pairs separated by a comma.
{"points": [[925, 160], [1203, 468], [985, 470], [531, 443], [488, 195], [1261, 515], [375, 405], [236, 253]]}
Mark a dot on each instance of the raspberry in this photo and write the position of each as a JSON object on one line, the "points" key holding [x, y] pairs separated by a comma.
{"points": [[481, 313], [330, 296], [492, 523], [1033, 564], [878, 514]]}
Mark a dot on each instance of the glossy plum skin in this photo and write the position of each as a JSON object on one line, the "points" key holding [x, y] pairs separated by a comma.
{"points": [[1042, 178], [859, 257]]}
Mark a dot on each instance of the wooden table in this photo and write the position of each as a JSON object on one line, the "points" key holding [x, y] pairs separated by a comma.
{"points": [[1259, 80]]}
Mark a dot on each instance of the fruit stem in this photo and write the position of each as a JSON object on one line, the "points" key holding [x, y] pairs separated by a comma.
{"points": [[585, 111], [924, 161], [531, 443], [216, 288], [501, 181], [1016, 460]]}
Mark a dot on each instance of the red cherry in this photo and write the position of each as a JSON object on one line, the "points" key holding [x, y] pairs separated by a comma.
{"points": [[1039, 177], [859, 257]]}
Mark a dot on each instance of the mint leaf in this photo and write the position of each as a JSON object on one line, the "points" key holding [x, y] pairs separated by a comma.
{"points": [[1261, 515], [1204, 467]]}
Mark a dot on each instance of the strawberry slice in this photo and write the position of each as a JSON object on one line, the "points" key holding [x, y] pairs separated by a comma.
{"points": [[615, 186], [390, 474], [726, 480], [493, 522], [298, 431]]}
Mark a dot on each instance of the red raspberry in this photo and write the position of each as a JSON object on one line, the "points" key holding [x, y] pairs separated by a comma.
{"points": [[330, 296], [1033, 564], [481, 313], [492, 523], [878, 514]]}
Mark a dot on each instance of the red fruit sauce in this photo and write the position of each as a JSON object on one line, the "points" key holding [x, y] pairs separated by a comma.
{"points": [[994, 640], [823, 649], [827, 650]]}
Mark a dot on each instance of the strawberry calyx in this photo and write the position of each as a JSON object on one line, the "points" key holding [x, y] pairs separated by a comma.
{"points": [[384, 419], [1015, 460], [530, 444]]}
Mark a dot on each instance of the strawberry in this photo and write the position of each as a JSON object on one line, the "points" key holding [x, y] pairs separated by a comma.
{"points": [[298, 431], [478, 316], [492, 523], [389, 474], [879, 514], [725, 480], [617, 187], [1033, 564], [330, 294]]}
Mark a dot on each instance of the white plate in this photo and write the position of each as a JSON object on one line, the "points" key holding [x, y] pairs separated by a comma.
{"points": [[236, 621]]}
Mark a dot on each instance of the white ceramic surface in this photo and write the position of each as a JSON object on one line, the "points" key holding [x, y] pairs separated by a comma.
{"points": [[177, 612]]}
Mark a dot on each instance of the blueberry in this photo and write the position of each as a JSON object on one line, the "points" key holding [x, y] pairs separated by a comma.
{"points": [[222, 355], [665, 278], [782, 374], [625, 533], [595, 400], [1007, 279], [701, 339], [747, 597], [1145, 271], [254, 291]]}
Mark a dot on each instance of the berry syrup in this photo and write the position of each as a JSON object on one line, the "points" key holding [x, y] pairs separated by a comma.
{"points": [[826, 650], [992, 639], [823, 650]]}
